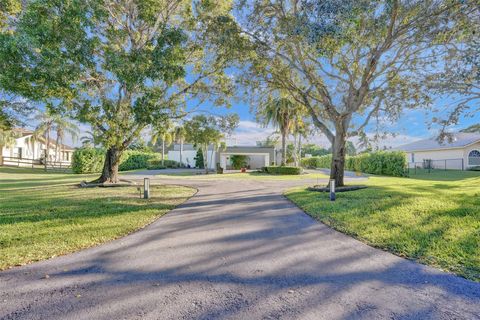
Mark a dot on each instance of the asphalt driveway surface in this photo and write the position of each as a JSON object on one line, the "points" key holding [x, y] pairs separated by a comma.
{"points": [[237, 250]]}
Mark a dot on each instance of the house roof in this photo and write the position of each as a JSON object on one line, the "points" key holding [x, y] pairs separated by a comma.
{"points": [[458, 140], [22, 132]]}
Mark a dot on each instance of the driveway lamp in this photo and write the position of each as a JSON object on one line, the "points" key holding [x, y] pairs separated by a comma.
{"points": [[146, 188], [332, 190]]}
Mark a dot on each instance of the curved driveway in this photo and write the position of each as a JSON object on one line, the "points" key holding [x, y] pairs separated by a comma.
{"points": [[237, 250]]}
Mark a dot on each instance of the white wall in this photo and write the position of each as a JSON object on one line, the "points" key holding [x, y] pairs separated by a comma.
{"points": [[30, 150], [188, 157], [453, 157]]}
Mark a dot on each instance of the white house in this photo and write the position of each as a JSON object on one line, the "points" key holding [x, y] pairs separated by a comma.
{"points": [[462, 153], [27, 151], [257, 157]]}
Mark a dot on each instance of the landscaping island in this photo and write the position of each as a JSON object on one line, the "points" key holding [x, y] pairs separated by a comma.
{"points": [[432, 218], [46, 214]]}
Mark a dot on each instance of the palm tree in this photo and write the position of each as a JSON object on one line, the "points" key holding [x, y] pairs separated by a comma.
{"points": [[180, 136], [280, 113], [49, 122], [91, 138], [7, 139], [44, 129], [165, 132], [62, 126]]}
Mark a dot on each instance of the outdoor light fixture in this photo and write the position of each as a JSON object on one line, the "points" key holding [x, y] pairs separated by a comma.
{"points": [[332, 190], [146, 188]]}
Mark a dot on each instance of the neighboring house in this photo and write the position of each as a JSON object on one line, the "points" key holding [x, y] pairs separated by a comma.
{"points": [[461, 153], [31, 150], [257, 156]]}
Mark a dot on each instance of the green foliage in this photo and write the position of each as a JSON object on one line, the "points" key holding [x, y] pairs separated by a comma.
{"points": [[88, 160], [284, 170], [239, 161], [314, 150], [133, 159], [317, 162], [388, 163], [199, 159]]}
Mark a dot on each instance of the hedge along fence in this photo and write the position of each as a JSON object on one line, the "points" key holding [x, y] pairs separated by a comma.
{"points": [[388, 163], [90, 160], [153, 164]]}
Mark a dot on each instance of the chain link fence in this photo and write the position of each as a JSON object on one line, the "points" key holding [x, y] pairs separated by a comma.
{"points": [[429, 165]]}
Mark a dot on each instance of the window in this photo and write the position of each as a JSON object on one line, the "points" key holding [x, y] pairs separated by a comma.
{"points": [[474, 158]]}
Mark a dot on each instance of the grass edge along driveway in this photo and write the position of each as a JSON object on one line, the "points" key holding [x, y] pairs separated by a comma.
{"points": [[40, 223], [431, 218]]}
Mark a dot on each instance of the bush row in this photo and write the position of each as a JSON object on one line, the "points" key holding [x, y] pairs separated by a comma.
{"points": [[90, 160], [389, 163], [157, 164], [283, 170]]}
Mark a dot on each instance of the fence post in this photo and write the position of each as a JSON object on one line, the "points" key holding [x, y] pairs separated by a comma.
{"points": [[463, 168]]}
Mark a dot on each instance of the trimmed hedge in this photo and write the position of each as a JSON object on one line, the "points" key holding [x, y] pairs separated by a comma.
{"points": [[388, 163], [155, 164], [283, 170], [88, 160]]}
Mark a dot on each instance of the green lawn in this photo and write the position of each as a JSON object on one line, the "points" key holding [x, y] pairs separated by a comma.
{"points": [[41, 222], [433, 218]]}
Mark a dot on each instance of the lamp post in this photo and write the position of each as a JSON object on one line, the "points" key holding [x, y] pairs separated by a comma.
{"points": [[332, 190], [146, 188]]}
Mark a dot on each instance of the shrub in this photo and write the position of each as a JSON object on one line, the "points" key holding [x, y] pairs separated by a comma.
{"points": [[239, 161], [317, 162], [133, 159], [389, 163], [476, 168], [156, 164], [88, 160], [283, 170]]}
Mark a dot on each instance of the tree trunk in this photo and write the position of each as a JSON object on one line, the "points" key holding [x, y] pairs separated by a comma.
{"points": [[205, 159], [181, 152], [110, 166], [338, 156], [163, 151], [284, 149]]}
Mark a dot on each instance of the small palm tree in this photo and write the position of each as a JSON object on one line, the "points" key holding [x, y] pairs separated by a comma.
{"points": [[62, 127], [165, 132], [280, 112], [49, 122], [180, 136], [91, 138]]}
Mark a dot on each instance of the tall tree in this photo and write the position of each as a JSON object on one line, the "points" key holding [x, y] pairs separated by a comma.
{"points": [[280, 112], [166, 133], [180, 136], [7, 139], [207, 132], [121, 65], [346, 61]]}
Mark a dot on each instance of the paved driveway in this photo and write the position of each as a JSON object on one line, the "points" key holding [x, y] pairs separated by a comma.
{"points": [[237, 250]]}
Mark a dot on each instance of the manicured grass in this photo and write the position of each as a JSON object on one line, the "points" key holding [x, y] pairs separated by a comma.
{"points": [[39, 223], [433, 218]]}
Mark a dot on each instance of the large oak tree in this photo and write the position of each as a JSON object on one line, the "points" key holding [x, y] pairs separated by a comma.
{"points": [[346, 61], [120, 65]]}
